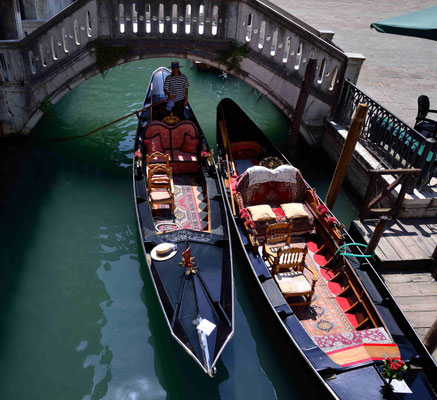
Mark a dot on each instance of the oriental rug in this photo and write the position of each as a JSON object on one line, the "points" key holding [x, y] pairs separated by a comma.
{"points": [[324, 316], [186, 214]]}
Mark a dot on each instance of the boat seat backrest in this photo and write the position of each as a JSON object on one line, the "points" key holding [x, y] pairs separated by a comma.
{"points": [[260, 185], [173, 137], [180, 132]]}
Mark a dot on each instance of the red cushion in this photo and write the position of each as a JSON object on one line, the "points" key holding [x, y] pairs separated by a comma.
{"points": [[181, 156], [154, 144], [190, 145]]}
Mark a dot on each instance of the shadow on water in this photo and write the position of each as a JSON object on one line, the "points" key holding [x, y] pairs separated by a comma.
{"points": [[48, 312]]}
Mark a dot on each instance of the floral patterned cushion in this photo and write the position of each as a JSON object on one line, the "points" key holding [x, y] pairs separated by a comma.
{"points": [[259, 185]]}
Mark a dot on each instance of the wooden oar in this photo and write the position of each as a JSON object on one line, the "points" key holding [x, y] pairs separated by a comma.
{"points": [[230, 185], [110, 123]]}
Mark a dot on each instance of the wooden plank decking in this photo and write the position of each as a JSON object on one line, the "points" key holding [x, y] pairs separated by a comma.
{"points": [[405, 262], [416, 294], [405, 243]]}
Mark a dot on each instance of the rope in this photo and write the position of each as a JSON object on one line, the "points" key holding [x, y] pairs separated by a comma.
{"points": [[175, 226], [110, 123], [354, 255]]}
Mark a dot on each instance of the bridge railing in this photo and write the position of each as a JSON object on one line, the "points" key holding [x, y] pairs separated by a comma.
{"points": [[273, 36], [392, 141]]}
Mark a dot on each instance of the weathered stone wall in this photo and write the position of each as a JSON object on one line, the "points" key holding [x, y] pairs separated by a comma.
{"points": [[10, 20]]}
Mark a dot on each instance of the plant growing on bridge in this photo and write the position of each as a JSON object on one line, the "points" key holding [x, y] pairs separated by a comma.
{"points": [[107, 56], [46, 104], [233, 55]]}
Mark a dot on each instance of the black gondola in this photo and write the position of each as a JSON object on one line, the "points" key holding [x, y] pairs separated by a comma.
{"points": [[329, 301], [183, 226]]}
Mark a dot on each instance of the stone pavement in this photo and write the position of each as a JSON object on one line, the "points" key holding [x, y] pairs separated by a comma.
{"points": [[397, 68]]}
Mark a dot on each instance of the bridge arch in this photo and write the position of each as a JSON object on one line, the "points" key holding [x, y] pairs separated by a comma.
{"points": [[275, 48]]}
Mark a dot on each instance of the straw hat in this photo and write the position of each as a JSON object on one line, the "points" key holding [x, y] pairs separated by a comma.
{"points": [[164, 251], [175, 64]]}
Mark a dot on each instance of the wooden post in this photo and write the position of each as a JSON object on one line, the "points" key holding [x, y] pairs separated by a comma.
{"points": [[346, 154], [434, 264], [430, 339], [305, 90], [377, 233]]}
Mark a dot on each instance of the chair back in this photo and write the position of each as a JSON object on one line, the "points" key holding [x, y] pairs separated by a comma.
{"points": [[290, 258], [278, 233], [157, 158], [159, 177]]}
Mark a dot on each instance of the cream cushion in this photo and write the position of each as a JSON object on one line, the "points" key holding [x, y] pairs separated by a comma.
{"points": [[292, 282], [261, 213], [294, 210]]}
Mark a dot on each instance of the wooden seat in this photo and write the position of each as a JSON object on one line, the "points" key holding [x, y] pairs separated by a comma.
{"points": [[276, 236], [293, 282], [160, 186]]}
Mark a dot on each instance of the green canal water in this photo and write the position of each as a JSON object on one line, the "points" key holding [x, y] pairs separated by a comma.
{"points": [[79, 317]]}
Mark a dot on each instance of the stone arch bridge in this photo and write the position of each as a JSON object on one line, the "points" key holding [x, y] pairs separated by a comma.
{"points": [[42, 67]]}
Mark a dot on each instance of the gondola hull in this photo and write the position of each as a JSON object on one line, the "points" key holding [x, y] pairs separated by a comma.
{"points": [[193, 280], [342, 371]]}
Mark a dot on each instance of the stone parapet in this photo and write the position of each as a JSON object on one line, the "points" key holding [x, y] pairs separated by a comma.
{"points": [[278, 46]]}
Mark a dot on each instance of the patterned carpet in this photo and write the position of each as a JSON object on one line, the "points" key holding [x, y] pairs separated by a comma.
{"points": [[186, 214], [339, 341], [323, 316]]}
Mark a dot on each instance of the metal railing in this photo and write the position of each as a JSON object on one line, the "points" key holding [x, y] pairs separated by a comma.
{"points": [[394, 143]]}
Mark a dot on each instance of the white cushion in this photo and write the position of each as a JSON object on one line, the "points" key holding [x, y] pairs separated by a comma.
{"points": [[292, 282], [294, 210], [262, 212]]}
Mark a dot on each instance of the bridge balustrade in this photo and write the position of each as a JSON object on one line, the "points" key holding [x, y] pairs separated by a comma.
{"points": [[268, 34], [279, 47]]}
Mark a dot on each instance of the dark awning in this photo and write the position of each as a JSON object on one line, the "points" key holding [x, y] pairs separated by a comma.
{"points": [[422, 24]]}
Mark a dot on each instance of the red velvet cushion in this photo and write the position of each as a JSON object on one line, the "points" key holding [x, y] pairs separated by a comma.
{"points": [[190, 145], [154, 144]]}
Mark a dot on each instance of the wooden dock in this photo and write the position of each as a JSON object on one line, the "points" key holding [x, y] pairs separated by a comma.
{"points": [[406, 243], [404, 260]]}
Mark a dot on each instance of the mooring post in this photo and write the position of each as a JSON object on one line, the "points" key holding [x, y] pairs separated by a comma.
{"points": [[305, 90], [377, 233], [430, 339], [346, 154], [434, 263]]}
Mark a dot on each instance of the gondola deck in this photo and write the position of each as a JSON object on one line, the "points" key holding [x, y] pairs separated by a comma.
{"points": [[179, 207], [351, 322]]}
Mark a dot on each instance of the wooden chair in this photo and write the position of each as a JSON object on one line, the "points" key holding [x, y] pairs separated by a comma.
{"points": [[276, 236], [425, 125], [160, 186], [293, 282], [155, 159]]}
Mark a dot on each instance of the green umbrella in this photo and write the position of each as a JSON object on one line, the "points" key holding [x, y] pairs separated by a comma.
{"points": [[422, 24]]}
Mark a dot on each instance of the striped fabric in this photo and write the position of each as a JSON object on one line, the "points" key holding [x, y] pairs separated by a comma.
{"points": [[176, 85]]}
